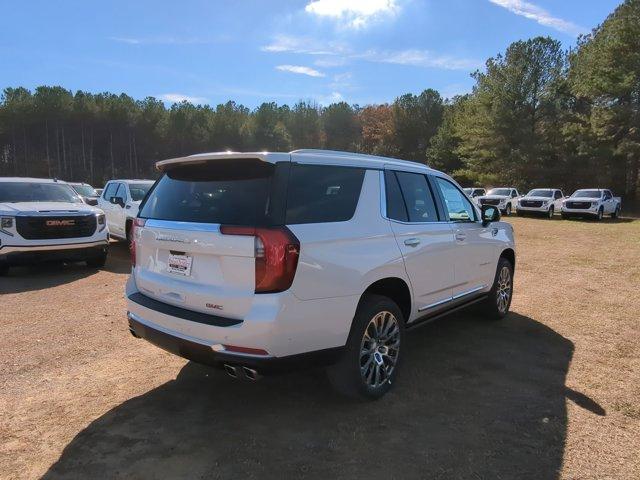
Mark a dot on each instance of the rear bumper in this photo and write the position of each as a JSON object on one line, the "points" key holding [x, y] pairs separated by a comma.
{"points": [[24, 255], [216, 356]]}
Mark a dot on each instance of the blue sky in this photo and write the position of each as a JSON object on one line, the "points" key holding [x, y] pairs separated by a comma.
{"points": [[252, 51]]}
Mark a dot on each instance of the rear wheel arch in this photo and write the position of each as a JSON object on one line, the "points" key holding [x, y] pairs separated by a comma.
{"points": [[393, 288]]}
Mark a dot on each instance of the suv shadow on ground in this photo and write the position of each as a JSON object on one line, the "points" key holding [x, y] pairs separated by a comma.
{"points": [[475, 400]]}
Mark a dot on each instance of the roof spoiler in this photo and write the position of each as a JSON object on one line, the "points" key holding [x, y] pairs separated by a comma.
{"points": [[208, 157]]}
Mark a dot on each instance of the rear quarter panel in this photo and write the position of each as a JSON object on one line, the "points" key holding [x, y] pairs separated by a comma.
{"points": [[343, 258]]}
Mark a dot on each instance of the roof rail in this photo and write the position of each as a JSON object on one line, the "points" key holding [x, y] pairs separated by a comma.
{"points": [[317, 151]]}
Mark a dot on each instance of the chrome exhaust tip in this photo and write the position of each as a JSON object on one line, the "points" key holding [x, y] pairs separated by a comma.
{"points": [[250, 374], [231, 370]]}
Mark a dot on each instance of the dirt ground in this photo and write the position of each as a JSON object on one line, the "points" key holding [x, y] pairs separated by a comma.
{"points": [[552, 391]]}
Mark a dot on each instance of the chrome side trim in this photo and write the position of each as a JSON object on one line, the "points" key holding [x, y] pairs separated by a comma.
{"points": [[469, 292], [454, 297], [435, 304]]}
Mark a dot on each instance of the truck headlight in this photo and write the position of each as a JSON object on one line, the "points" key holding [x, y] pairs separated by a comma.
{"points": [[101, 221], [594, 204], [6, 222]]}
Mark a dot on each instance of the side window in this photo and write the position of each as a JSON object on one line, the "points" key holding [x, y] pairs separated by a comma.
{"points": [[456, 204], [607, 195], [557, 195], [396, 209], [417, 196], [323, 193], [110, 191], [121, 192], [514, 193]]}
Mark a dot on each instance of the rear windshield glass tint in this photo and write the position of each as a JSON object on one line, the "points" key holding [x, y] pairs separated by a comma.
{"points": [[234, 192], [321, 193]]}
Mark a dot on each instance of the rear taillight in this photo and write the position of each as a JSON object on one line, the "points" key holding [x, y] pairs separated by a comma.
{"points": [[137, 223], [276, 251]]}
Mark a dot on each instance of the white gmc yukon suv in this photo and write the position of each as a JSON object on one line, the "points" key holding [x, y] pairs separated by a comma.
{"points": [[591, 203], [46, 220], [120, 200], [259, 262]]}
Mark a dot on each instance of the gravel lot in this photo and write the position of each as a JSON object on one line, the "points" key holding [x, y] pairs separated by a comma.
{"points": [[552, 391]]}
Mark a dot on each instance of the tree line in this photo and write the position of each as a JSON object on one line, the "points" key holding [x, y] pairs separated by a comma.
{"points": [[537, 116]]}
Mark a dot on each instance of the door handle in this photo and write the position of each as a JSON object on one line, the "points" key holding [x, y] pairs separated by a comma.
{"points": [[412, 242], [461, 237]]}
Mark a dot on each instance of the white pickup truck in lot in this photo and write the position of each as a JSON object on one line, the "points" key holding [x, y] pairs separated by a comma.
{"points": [[120, 200], [591, 203], [505, 198], [541, 201], [46, 220]]}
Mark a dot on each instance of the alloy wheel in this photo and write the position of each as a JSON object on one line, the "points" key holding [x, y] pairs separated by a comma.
{"points": [[379, 349], [503, 291]]}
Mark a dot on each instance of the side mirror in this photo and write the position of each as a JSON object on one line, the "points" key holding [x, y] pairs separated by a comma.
{"points": [[117, 201], [490, 214]]}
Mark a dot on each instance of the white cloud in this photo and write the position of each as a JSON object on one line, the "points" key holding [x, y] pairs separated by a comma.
{"points": [[308, 46], [353, 13], [333, 97], [179, 97], [301, 70], [163, 40], [540, 15], [420, 58]]}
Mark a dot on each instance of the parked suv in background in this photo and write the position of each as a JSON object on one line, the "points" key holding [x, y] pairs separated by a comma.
{"points": [[47, 220], [541, 201], [591, 203], [120, 200], [505, 198], [261, 262]]}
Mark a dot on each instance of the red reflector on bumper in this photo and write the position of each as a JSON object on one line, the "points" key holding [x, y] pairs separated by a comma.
{"points": [[247, 350]]}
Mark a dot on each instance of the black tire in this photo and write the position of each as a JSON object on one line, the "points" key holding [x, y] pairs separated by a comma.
{"points": [[507, 210], [347, 375], [520, 213], [98, 261], [493, 308], [550, 213], [4, 269], [600, 214], [616, 212]]}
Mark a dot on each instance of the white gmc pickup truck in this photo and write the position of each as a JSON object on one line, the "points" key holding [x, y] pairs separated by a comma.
{"points": [[593, 203], [46, 220], [120, 200]]}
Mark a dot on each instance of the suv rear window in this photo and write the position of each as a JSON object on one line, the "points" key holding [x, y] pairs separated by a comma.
{"points": [[322, 193], [234, 192]]}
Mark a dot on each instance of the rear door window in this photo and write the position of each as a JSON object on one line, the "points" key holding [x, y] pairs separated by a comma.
{"points": [[322, 193], [233, 192], [396, 209], [417, 196]]}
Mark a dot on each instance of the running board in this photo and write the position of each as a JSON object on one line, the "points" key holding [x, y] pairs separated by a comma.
{"points": [[436, 315]]}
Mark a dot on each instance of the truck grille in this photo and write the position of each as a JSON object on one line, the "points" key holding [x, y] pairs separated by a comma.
{"points": [[49, 227], [579, 205], [489, 201], [531, 203]]}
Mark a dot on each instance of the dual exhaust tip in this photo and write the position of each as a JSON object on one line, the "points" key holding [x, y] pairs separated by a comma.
{"points": [[242, 372]]}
